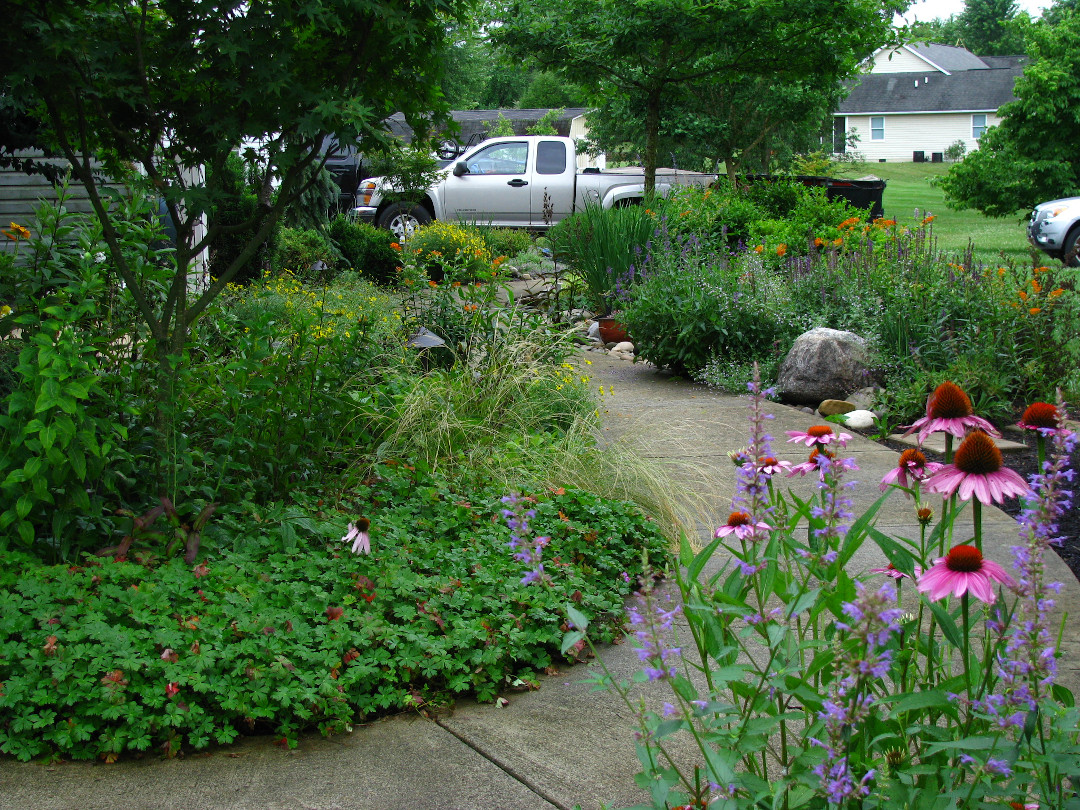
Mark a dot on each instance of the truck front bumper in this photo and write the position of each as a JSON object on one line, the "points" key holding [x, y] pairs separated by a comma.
{"points": [[364, 213]]}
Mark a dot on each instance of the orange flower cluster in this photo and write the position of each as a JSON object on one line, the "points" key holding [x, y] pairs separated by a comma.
{"points": [[16, 232], [781, 249], [850, 223], [1039, 298]]}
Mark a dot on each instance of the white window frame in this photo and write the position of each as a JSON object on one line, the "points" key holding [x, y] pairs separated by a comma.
{"points": [[977, 129], [877, 133]]}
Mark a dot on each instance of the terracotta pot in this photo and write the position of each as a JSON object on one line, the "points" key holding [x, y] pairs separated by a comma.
{"points": [[611, 331]]}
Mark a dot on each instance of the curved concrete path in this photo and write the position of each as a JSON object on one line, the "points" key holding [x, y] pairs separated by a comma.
{"points": [[558, 747]]}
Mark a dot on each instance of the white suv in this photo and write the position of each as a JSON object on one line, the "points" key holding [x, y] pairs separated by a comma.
{"points": [[1055, 228]]}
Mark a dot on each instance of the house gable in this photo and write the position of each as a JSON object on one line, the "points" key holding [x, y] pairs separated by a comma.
{"points": [[924, 99]]}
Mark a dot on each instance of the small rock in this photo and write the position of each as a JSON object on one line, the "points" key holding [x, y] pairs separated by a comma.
{"points": [[859, 419], [831, 407], [624, 346], [594, 330], [525, 276], [864, 398]]}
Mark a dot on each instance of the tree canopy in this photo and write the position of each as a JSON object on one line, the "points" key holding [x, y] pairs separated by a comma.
{"points": [[1031, 155], [648, 52], [174, 87]]}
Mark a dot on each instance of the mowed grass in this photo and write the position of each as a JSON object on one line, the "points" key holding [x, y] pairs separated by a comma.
{"points": [[909, 191]]}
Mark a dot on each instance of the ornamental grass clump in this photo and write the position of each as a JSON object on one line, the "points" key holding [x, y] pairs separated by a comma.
{"points": [[801, 685]]}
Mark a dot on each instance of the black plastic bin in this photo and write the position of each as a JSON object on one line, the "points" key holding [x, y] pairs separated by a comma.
{"points": [[866, 194]]}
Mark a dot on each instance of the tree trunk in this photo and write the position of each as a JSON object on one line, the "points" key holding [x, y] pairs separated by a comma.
{"points": [[652, 139]]}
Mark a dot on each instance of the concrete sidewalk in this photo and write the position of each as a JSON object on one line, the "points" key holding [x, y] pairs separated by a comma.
{"points": [[558, 747]]}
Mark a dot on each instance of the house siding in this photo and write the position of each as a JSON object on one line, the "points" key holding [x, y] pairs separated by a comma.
{"points": [[20, 195], [902, 62], [905, 134]]}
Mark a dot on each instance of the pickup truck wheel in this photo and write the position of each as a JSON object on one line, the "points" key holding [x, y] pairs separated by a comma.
{"points": [[403, 220], [1070, 248]]}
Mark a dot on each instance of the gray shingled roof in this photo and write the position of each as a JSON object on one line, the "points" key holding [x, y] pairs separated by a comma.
{"points": [[948, 57], [977, 90]]}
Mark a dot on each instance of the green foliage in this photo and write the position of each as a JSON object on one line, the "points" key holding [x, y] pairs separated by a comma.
{"points": [[57, 434], [692, 303], [987, 27], [955, 151], [797, 684], [508, 242], [500, 128], [603, 245], [409, 170], [546, 124], [1019, 163], [450, 250], [499, 396], [287, 631], [182, 86], [236, 207], [365, 249], [297, 251], [547, 91], [282, 392], [656, 52]]}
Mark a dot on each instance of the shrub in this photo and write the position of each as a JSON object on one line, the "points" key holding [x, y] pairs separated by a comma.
{"points": [[365, 249], [451, 251], [278, 394], [603, 245], [236, 205], [507, 242], [298, 251], [288, 631], [693, 303]]}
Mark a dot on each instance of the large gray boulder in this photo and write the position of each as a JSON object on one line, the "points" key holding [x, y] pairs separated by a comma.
{"points": [[823, 364]]}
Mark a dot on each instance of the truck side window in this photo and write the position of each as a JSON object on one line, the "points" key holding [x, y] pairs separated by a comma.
{"points": [[550, 157], [502, 158]]}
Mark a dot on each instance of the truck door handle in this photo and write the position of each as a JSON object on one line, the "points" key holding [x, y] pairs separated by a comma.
{"points": [[518, 182]]}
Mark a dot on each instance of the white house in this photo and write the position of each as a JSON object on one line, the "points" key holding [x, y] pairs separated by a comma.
{"points": [[916, 100]]}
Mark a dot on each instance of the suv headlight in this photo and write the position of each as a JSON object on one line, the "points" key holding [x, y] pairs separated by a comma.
{"points": [[1053, 212]]}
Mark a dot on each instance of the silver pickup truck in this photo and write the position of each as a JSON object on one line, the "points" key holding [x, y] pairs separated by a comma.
{"points": [[506, 182]]}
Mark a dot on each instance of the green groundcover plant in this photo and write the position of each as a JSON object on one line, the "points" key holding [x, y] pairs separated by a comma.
{"points": [[928, 682], [282, 628]]}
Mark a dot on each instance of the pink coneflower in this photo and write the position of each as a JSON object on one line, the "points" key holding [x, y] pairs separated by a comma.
{"points": [[358, 536], [769, 466], [948, 409], [742, 526], [819, 461], [963, 570], [912, 462], [893, 572], [1039, 416], [818, 435], [978, 470]]}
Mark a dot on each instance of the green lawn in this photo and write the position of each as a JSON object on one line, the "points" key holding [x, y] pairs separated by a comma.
{"points": [[909, 190]]}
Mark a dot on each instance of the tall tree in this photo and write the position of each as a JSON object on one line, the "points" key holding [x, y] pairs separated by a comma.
{"points": [[650, 49], [986, 27], [1031, 155], [173, 87]]}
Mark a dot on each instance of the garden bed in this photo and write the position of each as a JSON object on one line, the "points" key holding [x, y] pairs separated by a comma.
{"points": [[271, 635]]}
